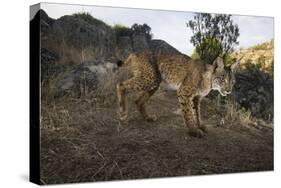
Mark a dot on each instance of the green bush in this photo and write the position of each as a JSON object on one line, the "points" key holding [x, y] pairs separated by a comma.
{"points": [[195, 55], [228, 60]]}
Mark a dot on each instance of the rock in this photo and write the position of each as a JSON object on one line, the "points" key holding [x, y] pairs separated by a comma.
{"points": [[162, 47], [140, 43], [79, 80], [83, 79], [80, 37], [124, 47], [49, 64], [78, 40]]}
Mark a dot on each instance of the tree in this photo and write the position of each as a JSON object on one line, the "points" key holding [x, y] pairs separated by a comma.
{"points": [[142, 29], [213, 35]]}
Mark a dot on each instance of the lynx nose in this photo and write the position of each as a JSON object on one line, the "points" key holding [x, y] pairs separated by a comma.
{"points": [[228, 89]]}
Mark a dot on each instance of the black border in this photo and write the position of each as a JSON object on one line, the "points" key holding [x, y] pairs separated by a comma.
{"points": [[34, 89]]}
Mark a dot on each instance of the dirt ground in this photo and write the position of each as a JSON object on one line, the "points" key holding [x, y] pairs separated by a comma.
{"points": [[83, 140]]}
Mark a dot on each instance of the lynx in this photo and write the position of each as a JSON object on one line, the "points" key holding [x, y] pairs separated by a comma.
{"points": [[192, 80]]}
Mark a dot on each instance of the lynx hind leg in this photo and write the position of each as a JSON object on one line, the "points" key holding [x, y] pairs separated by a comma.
{"points": [[140, 102], [122, 89], [189, 113]]}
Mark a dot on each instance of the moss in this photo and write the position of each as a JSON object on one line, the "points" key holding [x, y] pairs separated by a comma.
{"points": [[121, 30]]}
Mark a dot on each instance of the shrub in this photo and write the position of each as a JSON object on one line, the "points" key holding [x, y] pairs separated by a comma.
{"points": [[142, 29], [228, 60], [195, 55]]}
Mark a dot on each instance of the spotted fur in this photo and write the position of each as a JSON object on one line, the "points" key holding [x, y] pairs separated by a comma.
{"points": [[192, 79]]}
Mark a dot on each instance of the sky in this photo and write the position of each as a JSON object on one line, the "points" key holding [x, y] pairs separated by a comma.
{"points": [[168, 25]]}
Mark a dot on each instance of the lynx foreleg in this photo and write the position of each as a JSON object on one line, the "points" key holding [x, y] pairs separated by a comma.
{"points": [[185, 98], [196, 103]]}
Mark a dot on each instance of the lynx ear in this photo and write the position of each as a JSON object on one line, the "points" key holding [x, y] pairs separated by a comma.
{"points": [[218, 64], [235, 66]]}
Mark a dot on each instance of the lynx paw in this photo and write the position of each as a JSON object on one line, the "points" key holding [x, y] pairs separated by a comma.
{"points": [[151, 118], [123, 116], [196, 133], [204, 128]]}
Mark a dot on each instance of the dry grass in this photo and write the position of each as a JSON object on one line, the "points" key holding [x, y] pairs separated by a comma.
{"points": [[237, 115], [83, 140]]}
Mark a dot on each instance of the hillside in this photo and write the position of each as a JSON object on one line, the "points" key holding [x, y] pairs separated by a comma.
{"points": [[261, 55]]}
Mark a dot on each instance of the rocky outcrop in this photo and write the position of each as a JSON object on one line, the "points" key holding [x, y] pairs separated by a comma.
{"points": [[77, 39], [80, 37], [77, 49]]}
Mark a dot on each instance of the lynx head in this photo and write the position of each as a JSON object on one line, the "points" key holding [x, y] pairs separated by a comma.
{"points": [[223, 77]]}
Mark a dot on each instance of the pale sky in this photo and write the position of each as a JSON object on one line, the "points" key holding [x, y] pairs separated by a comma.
{"points": [[167, 25]]}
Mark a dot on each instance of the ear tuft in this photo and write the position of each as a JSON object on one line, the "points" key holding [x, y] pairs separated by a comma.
{"points": [[235, 67]]}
